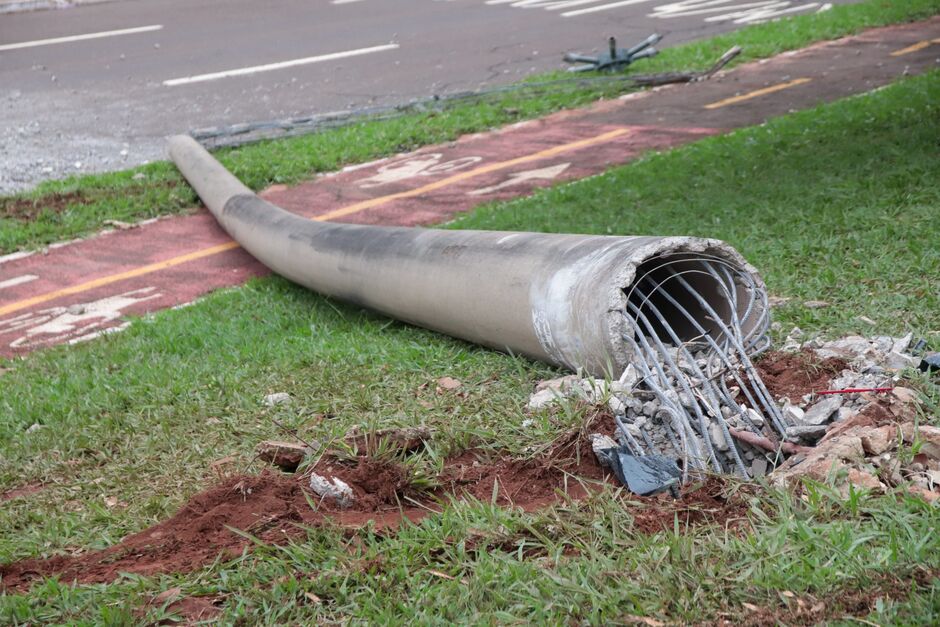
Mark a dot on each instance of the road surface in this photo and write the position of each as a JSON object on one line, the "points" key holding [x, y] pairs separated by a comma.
{"points": [[96, 87]]}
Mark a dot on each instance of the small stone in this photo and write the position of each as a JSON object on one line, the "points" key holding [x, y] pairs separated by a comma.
{"points": [[879, 441], [898, 361], [616, 405], [717, 437], [863, 479], [755, 417], [821, 412], [905, 395], [285, 455], [75, 310], [336, 489], [809, 434], [528, 423], [600, 443], [628, 378], [845, 413], [650, 408], [139, 176], [278, 398], [758, 467], [33, 428], [542, 398], [793, 414], [901, 344]]}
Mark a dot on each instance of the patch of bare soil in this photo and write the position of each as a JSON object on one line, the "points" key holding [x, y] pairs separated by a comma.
{"points": [[796, 374], [841, 604], [273, 507], [25, 490], [29, 209], [716, 501]]}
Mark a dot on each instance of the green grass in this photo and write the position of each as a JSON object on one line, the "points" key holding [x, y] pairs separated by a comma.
{"points": [[839, 203], [95, 199]]}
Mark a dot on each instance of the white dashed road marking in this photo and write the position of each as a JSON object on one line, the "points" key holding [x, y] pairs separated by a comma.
{"points": [[71, 38], [277, 66]]}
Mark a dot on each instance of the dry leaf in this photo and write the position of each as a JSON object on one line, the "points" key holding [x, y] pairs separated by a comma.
{"points": [[448, 383], [751, 607], [111, 501], [438, 573], [168, 596], [313, 598]]}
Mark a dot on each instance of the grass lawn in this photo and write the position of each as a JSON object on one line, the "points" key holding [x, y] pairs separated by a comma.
{"points": [[59, 210], [840, 203]]}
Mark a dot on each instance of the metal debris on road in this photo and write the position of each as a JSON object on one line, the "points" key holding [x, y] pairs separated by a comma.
{"points": [[615, 58]]}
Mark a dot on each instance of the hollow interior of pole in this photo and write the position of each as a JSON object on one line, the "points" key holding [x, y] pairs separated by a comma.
{"points": [[672, 291]]}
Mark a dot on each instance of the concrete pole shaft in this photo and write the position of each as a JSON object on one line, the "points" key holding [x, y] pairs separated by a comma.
{"points": [[554, 298]]}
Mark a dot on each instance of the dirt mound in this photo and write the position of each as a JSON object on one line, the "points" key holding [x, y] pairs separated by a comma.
{"points": [[715, 501], [796, 374], [273, 507]]}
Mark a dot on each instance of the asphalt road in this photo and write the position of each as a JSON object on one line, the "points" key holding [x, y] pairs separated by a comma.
{"points": [[97, 87]]}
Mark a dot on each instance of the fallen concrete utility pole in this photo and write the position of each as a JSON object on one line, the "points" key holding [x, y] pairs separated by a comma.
{"points": [[677, 318]]}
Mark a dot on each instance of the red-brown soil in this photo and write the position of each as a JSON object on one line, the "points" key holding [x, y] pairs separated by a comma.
{"points": [[272, 507], [807, 609], [795, 374], [25, 490]]}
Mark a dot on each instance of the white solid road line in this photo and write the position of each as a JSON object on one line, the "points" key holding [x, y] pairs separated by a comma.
{"points": [[277, 66], [19, 280], [70, 38]]}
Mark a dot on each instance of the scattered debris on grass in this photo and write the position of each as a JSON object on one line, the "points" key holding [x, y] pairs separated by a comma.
{"points": [[817, 386]]}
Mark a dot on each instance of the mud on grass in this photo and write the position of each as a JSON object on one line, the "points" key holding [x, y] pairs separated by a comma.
{"points": [[273, 508]]}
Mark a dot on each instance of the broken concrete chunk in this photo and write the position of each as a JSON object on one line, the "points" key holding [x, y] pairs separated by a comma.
{"points": [[334, 488], [599, 444], [542, 398], [899, 361], [794, 414], [717, 436], [285, 455], [879, 440], [759, 467], [278, 398], [754, 416], [821, 412], [629, 378], [807, 434]]}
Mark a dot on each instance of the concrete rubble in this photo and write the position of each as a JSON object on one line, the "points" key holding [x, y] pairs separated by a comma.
{"points": [[863, 438], [333, 488]]}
